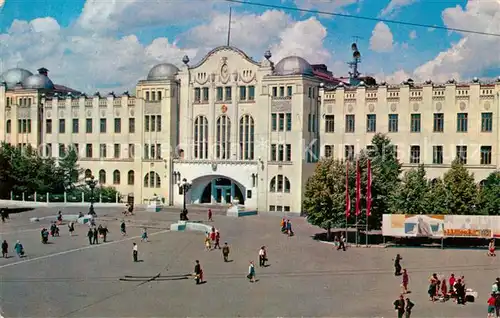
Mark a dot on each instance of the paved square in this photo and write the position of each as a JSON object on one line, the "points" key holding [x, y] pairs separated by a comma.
{"points": [[305, 278]]}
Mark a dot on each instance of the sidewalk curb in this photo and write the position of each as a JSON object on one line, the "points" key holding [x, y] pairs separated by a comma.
{"points": [[356, 246]]}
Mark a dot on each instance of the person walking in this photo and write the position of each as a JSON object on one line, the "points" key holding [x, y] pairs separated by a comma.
{"points": [[19, 248], [491, 306], [95, 235], [399, 306], [405, 282], [289, 228], [408, 307], [251, 272], [225, 252], [71, 228], [5, 249], [144, 237], [208, 246], [262, 256], [491, 248], [217, 240], [135, 252], [397, 265], [123, 228], [341, 243], [198, 273], [90, 235], [210, 215], [105, 232]]}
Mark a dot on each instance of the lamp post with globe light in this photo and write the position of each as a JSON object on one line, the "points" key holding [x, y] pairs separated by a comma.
{"points": [[91, 182], [184, 187]]}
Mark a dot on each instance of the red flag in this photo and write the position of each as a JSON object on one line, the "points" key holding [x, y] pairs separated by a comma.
{"points": [[358, 189], [347, 198], [369, 189]]}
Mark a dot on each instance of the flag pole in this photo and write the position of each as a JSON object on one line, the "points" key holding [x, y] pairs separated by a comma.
{"points": [[368, 197], [356, 212], [348, 200]]}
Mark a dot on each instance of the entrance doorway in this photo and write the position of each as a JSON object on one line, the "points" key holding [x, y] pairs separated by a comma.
{"points": [[222, 191]]}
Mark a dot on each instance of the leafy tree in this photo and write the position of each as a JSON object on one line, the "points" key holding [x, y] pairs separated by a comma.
{"points": [[324, 202], [461, 190], [437, 197], [489, 195], [386, 170], [69, 169], [412, 195]]}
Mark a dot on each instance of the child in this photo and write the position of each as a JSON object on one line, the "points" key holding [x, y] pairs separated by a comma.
{"points": [[208, 247], [491, 248], [491, 306], [144, 237]]}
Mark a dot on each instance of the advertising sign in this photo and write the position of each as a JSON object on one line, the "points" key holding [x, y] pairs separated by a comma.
{"points": [[437, 226]]}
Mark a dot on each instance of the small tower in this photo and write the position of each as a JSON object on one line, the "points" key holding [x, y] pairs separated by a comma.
{"points": [[353, 65]]}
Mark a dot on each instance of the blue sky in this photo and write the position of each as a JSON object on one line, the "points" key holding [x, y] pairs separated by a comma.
{"points": [[91, 32]]}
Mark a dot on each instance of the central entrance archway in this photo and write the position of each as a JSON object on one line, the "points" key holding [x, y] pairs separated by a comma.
{"points": [[222, 190]]}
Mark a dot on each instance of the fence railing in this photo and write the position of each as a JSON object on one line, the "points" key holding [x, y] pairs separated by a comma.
{"points": [[71, 197]]}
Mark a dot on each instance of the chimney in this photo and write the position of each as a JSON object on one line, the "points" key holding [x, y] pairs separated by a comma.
{"points": [[43, 71]]}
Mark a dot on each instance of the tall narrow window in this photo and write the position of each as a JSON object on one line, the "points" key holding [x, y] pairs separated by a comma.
{"points": [[350, 123], [247, 131], [415, 122], [462, 154], [415, 154], [102, 177], [116, 177], [329, 123], [131, 177], [200, 138], [223, 135], [462, 122], [393, 122], [371, 123]]}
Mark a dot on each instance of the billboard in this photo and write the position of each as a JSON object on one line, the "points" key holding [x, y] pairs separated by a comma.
{"points": [[437, 226]]}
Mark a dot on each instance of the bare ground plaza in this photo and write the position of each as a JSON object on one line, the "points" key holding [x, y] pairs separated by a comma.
{"points": [[70, 278]]}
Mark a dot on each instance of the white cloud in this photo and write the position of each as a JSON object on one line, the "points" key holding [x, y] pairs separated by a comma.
{"points": [[413, 35], [382, 39], [473, 54], [394, 6], [2, 2], [116, 15], [326, 5], [90, 60], [85, 62], [395, 78]]}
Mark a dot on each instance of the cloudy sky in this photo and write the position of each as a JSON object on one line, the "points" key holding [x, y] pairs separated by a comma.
{"points": [[108, 45]]}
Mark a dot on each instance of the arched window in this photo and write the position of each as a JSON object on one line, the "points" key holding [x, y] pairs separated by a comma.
{"points": [[131, 177], [200, 137], [223, 141], [88, 173], [8, 126], [116, 177], [279, 183], [102, 176], [152, 180], [247, 137], [482, 183]]}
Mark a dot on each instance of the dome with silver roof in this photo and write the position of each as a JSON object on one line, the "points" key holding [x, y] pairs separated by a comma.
{"points": [[164, 71], [293, 65], [38, 81], [14, 76]]}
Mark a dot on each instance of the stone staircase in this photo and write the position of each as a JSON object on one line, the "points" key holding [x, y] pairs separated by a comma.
{"points": [[217, 209]]}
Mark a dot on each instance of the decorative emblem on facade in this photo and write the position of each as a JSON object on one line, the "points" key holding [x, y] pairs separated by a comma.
{"points": [[214, 166], [223, 109], [49, 114], [117, 113], [89, 113], [393, 107], [132, 113], [75, 114], [439, 106], [61, 113], [415, 107], [103, 114], [350, 107], [487, 105], [462, 106], [371, 108]]}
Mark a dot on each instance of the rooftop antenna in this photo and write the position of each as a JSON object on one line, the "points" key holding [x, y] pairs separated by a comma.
{"points": [[356, 59], [229, 27]]}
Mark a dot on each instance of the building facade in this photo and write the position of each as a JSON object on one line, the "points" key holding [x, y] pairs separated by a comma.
{"points": [[243, 130], [235, 128], [430, 124]]}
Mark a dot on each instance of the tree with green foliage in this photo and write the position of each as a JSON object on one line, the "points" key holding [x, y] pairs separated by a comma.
{"points": [[437, 197], [412, 195], [324, 202], [489, 195], [461, 190], [69, 169], [386, 170]]}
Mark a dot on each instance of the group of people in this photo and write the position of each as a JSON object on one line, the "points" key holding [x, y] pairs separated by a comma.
{"points": [[212, 240], [440, 289], [94, 233], [18, 248], [494, 300], [286, 227]]}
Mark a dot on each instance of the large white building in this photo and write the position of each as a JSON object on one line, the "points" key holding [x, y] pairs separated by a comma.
{"points": [[239, 129]]}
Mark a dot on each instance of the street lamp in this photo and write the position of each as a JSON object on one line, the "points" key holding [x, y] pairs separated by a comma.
{"points": [[91, 182], [184, 187]]}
